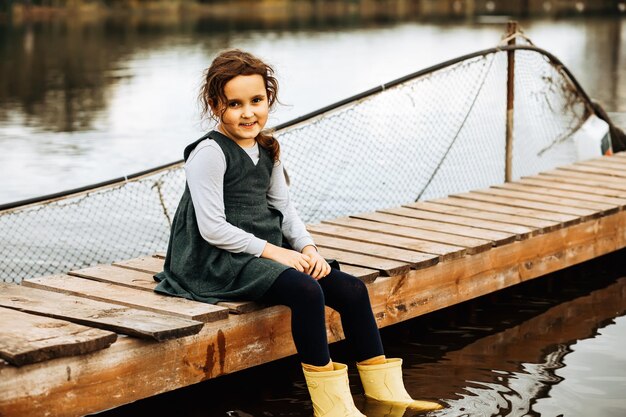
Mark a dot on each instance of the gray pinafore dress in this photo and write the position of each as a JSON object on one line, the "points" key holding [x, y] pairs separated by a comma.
{"points": [[195, 269]]}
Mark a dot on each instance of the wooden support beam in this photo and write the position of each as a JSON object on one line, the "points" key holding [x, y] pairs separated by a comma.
{"points": [[132, 369]]}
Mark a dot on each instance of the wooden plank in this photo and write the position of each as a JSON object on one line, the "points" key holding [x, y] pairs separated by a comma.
{"points": [[584, 214], [606, 168], [472, 245], [571, 177], [498, 233], [148, 264], [98, 314], [550, 191], [160, 255], [564, 219], [567, 203], [119, 276], [514, 229], [604, 163], [26, 338], [593, 170], [364, 274], [132, 369], [144, 281], [137, 298], [412, 227], [374, 235], [548, 182], [607, 181], [386, 267], [539, 225], [394, 221], [413, 258]]}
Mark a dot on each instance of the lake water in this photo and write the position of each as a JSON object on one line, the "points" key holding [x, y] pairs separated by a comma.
{"points": [[82, 101]]}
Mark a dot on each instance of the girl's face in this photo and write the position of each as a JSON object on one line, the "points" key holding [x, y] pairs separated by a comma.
{"points": [[246, 109]]}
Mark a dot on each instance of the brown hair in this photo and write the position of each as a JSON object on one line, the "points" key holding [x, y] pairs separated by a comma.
{"points": [[226, 66]]}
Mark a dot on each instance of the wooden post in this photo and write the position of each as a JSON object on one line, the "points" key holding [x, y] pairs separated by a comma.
{"points": [[510, 97]]}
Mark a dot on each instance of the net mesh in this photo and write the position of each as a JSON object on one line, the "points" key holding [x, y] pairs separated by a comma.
{"points": [[439, 133]]}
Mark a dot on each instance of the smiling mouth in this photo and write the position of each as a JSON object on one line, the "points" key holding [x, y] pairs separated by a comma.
{"points": [[247, 124]]}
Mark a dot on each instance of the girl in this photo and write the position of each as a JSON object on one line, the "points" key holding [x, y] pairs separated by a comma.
{"points": [[227, 241]]}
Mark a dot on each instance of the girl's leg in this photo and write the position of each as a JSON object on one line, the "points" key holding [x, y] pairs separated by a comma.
{"points": [[348, 296], [327, 382], [304, 296]]}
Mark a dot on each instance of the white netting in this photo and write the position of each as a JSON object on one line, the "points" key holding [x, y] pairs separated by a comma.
{"points": [[439, 133]]}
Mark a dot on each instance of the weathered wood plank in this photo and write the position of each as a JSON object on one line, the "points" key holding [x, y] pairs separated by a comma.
{"points": [[564, 219], [546, 182], [375, 235], [555, 199], [472, 245], [571, 177], [473, 238], [386, 267], [539, 225], [117, 275], [522, 232], [98, 314], [148, 264], [133, 278], [26, 338], [584, 214], [413, 258], [364, 274], [543, 191], [582, 169], [130, 297], [412, 227], [606, 180], [614, 164], [133, 369]]}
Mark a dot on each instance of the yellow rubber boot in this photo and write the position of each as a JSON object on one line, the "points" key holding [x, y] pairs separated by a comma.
{"points": [[383, 382], [330, 392]]}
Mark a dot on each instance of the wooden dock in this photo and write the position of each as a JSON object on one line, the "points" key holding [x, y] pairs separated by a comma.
{"points": [[99, 337]]}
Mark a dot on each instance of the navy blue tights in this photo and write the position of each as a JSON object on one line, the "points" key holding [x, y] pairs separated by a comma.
{"points": [[306, 298]]}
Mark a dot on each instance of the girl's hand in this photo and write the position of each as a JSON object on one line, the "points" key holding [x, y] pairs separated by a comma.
{"points": [[287, 257], [318, 267]]}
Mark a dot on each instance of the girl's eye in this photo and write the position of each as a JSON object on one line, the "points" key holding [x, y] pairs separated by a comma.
{"points": [[233, 104], [257, 99]]}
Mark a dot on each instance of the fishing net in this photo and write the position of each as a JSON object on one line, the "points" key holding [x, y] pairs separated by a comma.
{"points": [[436, 132]]}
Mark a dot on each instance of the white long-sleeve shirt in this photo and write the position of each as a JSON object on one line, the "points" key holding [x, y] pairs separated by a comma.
{"points": [[205, 170]]}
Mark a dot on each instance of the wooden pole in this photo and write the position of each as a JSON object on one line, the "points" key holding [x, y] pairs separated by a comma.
{"points": [[510, 97]]}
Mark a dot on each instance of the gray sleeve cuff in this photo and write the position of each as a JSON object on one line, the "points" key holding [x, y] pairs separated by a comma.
{"points": [[255, 246], [302, 242]]}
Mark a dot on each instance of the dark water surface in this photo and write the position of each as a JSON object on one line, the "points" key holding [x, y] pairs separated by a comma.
{"points": [[555, 346]]}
